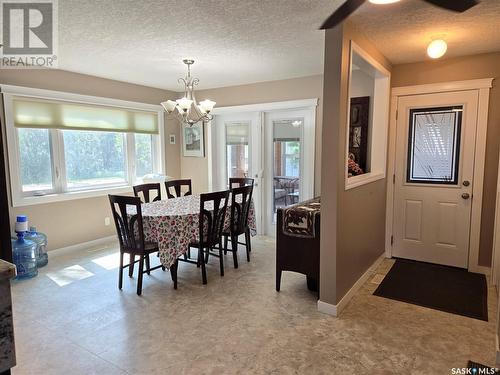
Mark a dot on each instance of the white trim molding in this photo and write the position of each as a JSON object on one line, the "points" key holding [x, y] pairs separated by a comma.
{"points": [[471, 84], [265, 107], [379, 124], [482, 86], [335, 310]]}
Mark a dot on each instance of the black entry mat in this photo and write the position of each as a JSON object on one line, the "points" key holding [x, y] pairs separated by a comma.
{"points": [[443, 288]]}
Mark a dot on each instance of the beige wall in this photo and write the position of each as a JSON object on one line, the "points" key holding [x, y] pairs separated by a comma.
{"points": [[72, 222], [352, 221], [264, 92], [462, 68]]}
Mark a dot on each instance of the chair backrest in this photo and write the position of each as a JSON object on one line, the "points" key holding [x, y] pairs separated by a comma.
{"points": [[145, 190], [213, 208], [128, 221], [177, 185], [240, 207], [240, 182]]}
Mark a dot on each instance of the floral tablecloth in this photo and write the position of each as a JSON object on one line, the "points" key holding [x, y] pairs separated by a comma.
{"points": [[173, 224]]}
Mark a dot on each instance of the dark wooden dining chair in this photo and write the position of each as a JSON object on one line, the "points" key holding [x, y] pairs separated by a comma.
{"points": [[213, 208], [144, 190], [241, 199], [130, 230], [240, 182], [177, 186]]}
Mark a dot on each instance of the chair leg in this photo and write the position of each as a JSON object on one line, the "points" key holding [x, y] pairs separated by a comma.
{"points": [[221, 261], [120, 275], [225, 245], [207, 254], [198, 264], [247, 244], [234, 247], [140, 271], [203, 268], [173, 272], [131, 265], [148, 265], [278, 279]]}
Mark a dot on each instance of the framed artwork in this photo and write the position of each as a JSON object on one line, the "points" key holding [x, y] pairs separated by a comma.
{"points": [[193, 140], [358, 131]]}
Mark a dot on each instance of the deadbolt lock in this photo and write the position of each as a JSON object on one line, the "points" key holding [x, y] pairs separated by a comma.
{"points": [[466, 183]]}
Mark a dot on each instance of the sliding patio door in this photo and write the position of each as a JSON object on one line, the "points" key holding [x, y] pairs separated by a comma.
{"points": [[275, 148], [289, 161]]}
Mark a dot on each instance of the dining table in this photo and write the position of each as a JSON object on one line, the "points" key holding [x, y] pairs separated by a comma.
{"points": [[174, 224]]}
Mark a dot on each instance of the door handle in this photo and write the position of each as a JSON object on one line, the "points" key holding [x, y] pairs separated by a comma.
{"points": [[465, 195]]}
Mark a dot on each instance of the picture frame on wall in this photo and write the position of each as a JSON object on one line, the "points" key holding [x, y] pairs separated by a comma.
{"points": [[193, 140]]}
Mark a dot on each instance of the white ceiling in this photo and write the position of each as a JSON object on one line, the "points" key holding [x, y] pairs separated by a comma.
{"points": [[244, 41], [402, 31], [232, 41]]}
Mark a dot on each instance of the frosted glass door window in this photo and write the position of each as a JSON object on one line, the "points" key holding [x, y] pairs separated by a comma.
{"points": [[434, 145]]}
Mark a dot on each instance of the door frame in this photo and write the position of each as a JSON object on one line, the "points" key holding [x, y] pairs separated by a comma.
{"points": [[262, 108], [482, 86]]}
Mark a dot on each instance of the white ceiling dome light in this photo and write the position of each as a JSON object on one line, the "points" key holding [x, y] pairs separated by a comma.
{"points": [[437, 48]]}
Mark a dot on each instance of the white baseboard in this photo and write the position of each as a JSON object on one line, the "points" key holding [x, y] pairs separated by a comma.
{"points": [[335, 310], [83, 245]]}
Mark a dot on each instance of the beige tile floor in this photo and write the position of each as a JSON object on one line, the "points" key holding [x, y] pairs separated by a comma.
{"points": [[235, 324]]}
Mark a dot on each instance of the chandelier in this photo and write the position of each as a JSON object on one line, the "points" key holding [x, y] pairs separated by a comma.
{"points": [[188, 111]]}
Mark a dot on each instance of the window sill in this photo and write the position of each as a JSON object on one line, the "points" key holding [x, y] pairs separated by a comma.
{"points": [[61, 197], [356, 181]]}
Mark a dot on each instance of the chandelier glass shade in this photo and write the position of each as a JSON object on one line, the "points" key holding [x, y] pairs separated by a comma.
{"points": [[186, 109]]}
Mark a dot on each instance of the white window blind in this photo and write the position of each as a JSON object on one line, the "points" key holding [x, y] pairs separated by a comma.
{"points": [[48, 114], [237, 133]]}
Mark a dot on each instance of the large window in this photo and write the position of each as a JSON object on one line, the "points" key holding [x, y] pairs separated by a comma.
{"points": [[94, 158], [58, 147]]}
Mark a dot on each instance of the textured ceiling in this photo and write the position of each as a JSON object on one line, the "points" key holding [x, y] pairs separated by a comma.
{"points": [[232, 41], [244, 41], [402, 31]]}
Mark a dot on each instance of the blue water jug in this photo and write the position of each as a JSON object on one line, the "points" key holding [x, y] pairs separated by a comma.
{"points": [[24, 257], [41, 240]]}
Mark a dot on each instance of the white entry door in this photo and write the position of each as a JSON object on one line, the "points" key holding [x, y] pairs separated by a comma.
{"points": [[237, 153], [434, 177]]}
